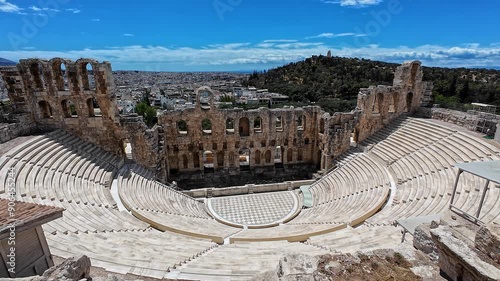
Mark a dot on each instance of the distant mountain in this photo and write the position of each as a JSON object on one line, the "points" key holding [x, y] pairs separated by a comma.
{"points": [[6, 62]]}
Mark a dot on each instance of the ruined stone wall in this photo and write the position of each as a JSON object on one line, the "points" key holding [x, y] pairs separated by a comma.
{"points": [[383, 104], [15, 125], [76, 96], [14, 121], [146, 143], [334, 135], [473, 120], [270, 138]]}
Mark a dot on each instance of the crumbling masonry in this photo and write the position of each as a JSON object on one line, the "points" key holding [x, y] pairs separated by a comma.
{"points": [[204, 145]]}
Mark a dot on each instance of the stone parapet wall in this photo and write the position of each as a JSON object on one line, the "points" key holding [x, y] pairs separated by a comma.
{"points": [[15, 125], [247, 189], [472, 120]]}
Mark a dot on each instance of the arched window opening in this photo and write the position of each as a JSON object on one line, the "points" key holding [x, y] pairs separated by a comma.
{"points": [[244, 127], [306, 141], [257, 157], [88, 77], [395, 101], [45, 109], [230, 126], [244, 160], [60, 75], [279, 124], [206, 126], [182, 127], [289, 156], [196, 160], [257, 125], [36, 71], [231, 159], [268, 157], [208, 161], [354, 137], [94, 109], [378, 103], [301, 122], [127, 149], [322, 126], [300, 155], [173, 165], [184, 161], [205, 99], [278, 157], [69, 109], [319, 159], [65, 80], [409, 101], [220, 159]]}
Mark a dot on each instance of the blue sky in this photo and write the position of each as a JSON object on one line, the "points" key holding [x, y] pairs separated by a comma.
{"points": [[219, 35]]}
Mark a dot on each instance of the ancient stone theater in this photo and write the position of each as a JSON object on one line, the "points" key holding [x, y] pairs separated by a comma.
{"points": [[222, 194]]}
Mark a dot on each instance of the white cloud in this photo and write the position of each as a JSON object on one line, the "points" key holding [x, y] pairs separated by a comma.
{"points": [[74, 11], [322, 35], [279, 41], [7, 7], [96, 20], [353, 3], [251, 56], [333, 35], [37, 9], [471, 45], [128, 34]]}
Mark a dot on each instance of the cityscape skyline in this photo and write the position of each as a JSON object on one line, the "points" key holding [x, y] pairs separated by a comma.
{"points": [[239, 35]]}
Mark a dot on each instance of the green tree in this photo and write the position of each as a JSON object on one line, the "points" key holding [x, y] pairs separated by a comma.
{"points": [[148, 112], [141, 108], [150, 116], [464, 92], [452, 90], [227, 98]]}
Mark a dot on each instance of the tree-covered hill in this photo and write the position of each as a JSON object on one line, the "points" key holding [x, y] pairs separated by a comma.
{"points": [[335, 82]]}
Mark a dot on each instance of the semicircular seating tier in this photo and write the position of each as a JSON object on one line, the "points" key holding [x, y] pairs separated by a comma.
{"points": [[168, 209], [59, 169], [420, 154]]}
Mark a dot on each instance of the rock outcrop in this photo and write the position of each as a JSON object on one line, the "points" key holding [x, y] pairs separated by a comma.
{"points": [[459, 261], [422, 241], [379, 265], [488, 242], [72, 269]]}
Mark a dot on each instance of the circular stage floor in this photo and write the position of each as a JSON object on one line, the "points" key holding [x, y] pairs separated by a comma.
{"points": [[255, 210]]}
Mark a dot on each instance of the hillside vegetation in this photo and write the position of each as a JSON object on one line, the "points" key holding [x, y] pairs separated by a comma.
{"points": [[334, 82]]}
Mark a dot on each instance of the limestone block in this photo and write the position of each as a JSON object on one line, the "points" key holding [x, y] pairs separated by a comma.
{"points": [[488, 241], [459, 261], [72, 269], [297, 267], [422, 240]]}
